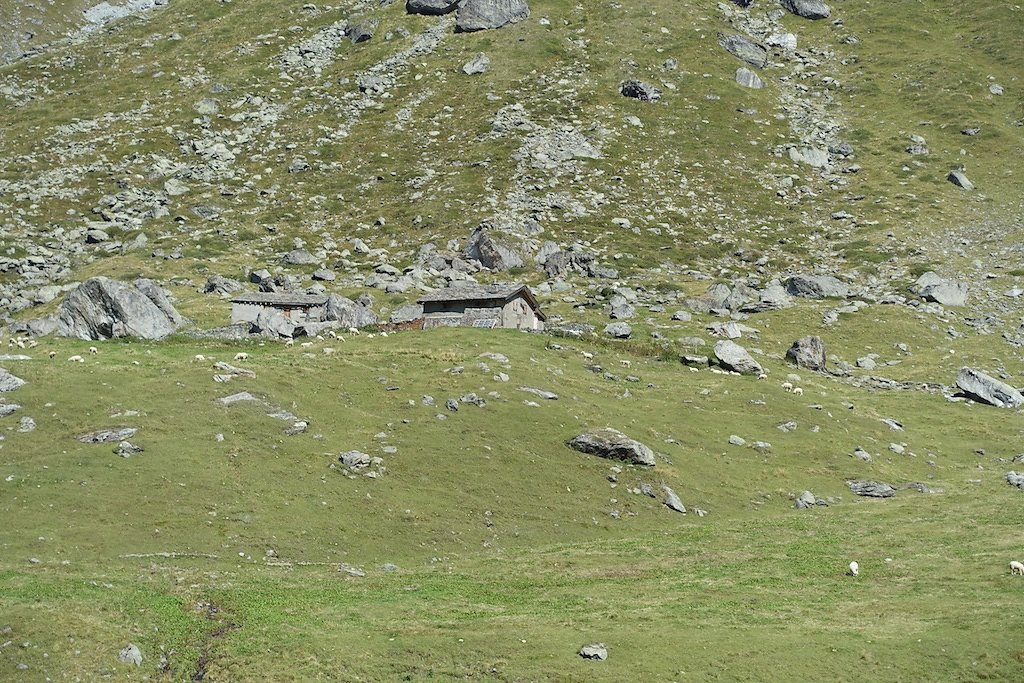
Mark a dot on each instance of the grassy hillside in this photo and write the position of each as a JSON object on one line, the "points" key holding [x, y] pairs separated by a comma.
{"points": [[212, 138]]}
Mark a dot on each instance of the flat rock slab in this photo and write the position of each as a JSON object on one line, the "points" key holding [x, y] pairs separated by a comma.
{"points": [[111, 435], [547, 395], [988, 390], [9, 382], [871, 489], [613, 444]]}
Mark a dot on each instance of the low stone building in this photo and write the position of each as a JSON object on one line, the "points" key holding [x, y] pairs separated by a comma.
{"points": [[472, 305], [298, 308]]}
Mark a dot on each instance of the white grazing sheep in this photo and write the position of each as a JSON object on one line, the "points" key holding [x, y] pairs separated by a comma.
{"points": [[76, 359], [331, 334], [588, 355], [93, 350], [625, 363], [353, 330], [762, 376], [290, 342], [797, 391], [306, 345], [319, 337], [242, 356], [1016, 567], [328, 350], [383, 334], [854, 568], [787, 386], [52, 354], [199, 358]]}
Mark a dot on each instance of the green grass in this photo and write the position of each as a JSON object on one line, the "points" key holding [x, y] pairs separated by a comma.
{"points": [[754, 587]]}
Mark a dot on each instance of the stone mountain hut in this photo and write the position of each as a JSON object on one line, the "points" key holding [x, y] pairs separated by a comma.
{"points": [[298, 308], [471, 305]]}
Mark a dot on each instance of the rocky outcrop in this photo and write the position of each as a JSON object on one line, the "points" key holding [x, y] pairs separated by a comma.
{"points": [[985, 389], [101, 308], [612, 444], [479, 15]]}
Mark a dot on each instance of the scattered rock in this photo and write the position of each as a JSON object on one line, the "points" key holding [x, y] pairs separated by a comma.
{"points": [[618, 330], [613, 444], [933, 288], [1014, 479], [808, 352], [807, 500], [989, 390], [480, 15], [672, 501], [478, 65], [108, 435], [734, 357], [959, 179], [639, 90], [871, 489], [816, 287], [431, 7], [130, 654], [745, 49], [808, 9], [9, 382], [595, 651], [748, 79]]}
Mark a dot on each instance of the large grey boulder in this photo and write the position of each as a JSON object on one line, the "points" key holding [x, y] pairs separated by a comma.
{"points": [[101, 308], [217, 284], [479, 15], [808, 9], [274, 323], [9, 382], [612, 444], [986, 389], [348, 313], [807, 352], [490, 252], [431, 7], [734, 357], [745, 49], [816, 286], [932, 287], [406, 314], [1015, 479]]}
